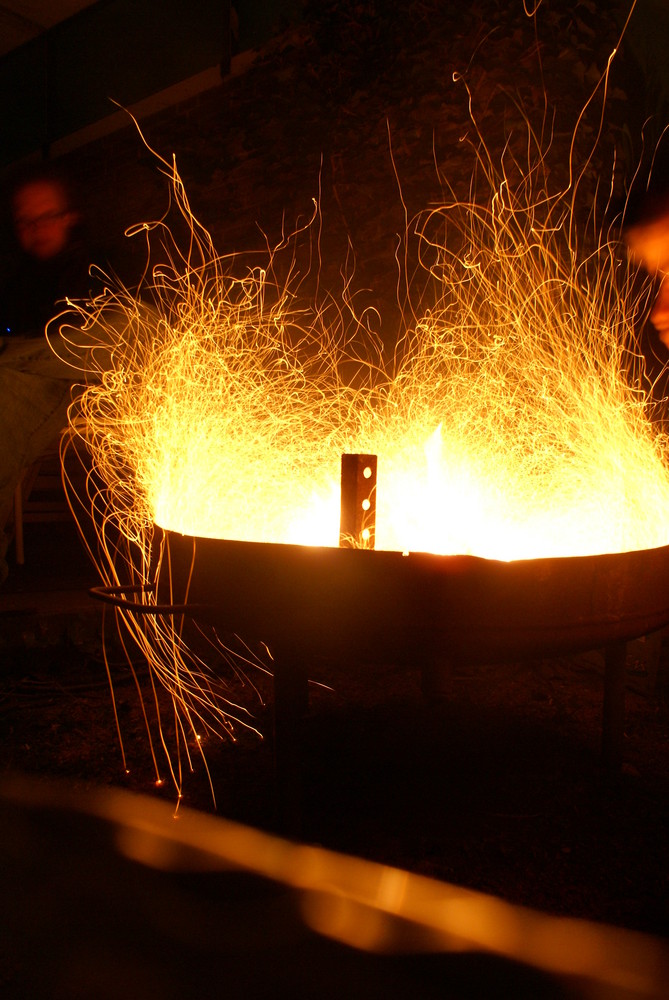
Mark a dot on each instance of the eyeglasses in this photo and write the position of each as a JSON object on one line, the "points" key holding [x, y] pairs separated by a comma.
{"points": [[46, 219]]}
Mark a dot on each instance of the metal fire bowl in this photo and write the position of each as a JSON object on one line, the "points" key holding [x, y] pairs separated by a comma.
{"points": [[384, 605]]}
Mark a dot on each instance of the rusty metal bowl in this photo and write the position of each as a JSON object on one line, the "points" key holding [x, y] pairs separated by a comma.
{"points": [[375, 604]]}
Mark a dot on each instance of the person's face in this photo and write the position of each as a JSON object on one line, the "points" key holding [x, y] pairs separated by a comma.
{"points": [[650, 245], [42, 219]]}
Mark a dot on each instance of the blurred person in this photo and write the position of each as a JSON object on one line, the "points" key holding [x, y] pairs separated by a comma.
{"points": [[648, 241], [52, 263], [53, 259]]}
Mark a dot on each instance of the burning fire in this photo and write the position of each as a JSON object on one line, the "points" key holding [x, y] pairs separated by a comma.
{"points": [[512, 421]]}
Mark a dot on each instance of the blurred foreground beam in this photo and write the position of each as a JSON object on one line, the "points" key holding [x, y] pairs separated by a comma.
{"points": [[110, 847]]}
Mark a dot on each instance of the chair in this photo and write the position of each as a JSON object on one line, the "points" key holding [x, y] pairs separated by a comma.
{"points": [[39, 496]]}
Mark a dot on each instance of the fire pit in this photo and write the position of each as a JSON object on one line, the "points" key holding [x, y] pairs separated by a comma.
{"points": [[510, 420], [374, 606]]}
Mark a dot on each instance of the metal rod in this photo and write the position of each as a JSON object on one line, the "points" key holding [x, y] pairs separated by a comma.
{"points": [[290, 707], [357, 524]]}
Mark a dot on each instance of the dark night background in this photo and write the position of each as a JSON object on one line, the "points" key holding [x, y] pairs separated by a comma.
{"points": [[499, 787]]}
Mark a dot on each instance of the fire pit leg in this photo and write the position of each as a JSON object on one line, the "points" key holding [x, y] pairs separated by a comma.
{"points": [[613, 721], [290, 704]]}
